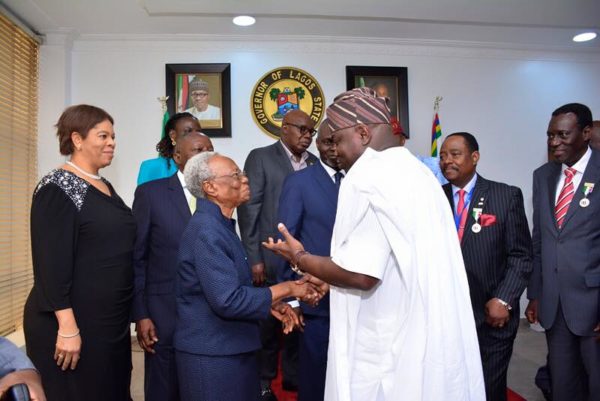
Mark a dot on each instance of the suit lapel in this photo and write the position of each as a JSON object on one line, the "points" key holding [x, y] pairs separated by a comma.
{"points": [[177, 197], [591, 174], [479, 192], [325, 182]]}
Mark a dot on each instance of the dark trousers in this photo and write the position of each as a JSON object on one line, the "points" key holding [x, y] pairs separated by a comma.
{"points": [[160, 375], [495, 346], [312, 358], [574, 361], [271, 338], [160, 371]]}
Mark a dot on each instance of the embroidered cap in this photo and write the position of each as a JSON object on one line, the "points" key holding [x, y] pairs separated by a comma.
{"points": [[198, 85], [358, 106]]}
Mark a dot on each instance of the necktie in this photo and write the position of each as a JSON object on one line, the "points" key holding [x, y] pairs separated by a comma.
{"points": [[338, 178], [192, 204], [461, 212], [565, 197]]}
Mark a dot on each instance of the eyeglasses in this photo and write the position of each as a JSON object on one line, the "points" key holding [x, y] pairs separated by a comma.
{"points": [[304, 129], [238, 175], [199, 94]]}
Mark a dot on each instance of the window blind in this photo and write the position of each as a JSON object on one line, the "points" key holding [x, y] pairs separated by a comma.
{"points": [[19, 57]]}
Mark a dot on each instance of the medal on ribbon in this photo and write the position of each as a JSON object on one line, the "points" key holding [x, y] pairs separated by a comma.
{"points": [[477, 211], [588, 188]]}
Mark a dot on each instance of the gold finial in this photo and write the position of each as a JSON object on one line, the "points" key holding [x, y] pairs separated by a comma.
{"points": [[163, 103], [436, 103]]}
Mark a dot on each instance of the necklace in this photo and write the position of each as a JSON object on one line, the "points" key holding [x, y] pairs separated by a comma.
{"points": [[82, 171]]}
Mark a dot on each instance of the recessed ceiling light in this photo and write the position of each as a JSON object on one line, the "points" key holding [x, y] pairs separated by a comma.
{"points": [[584, 37], [244, 20]]}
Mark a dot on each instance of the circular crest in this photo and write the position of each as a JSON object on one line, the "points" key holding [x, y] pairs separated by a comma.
{"points": [[281, 90]]}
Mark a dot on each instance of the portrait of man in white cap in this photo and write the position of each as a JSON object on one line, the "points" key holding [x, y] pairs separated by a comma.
{"points": [[200, 94]]}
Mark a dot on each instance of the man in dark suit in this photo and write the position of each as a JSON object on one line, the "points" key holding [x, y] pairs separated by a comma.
{"points": [[307, 207], [564, 289], [496, 247], [162, 209], [266, 169]]}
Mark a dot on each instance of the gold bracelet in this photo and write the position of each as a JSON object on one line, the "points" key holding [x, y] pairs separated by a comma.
{"points": [[67, 335]]}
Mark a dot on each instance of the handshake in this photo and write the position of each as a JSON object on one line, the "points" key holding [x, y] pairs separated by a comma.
{"points": [[308, 289]]}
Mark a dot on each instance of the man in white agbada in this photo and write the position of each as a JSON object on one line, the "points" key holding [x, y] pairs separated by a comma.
{"points": [[402, 326]]}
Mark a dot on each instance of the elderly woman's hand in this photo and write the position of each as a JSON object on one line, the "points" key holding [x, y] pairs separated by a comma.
{"points": [[285, 313]]}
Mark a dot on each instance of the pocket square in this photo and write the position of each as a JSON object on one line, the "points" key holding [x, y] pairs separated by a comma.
{"points": [[487, 220]]}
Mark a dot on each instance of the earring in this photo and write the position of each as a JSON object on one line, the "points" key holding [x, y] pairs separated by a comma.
{"points": [[173, 142]]}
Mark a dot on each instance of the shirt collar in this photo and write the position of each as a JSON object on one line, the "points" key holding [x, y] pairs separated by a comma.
{"points": [[181, 179], [467, 187], [330, 170], [581, 163], [291, 156]]}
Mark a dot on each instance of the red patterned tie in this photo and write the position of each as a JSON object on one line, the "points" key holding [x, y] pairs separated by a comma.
{"points": [[566, 196], [459, 212]]}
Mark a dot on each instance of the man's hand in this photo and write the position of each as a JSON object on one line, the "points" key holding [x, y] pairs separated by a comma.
{"points": [[287, 248], [146, 334], [531, 312], [30, 378], [285, 313], [306, 292], [320, 286], [496, 314], [258, 274]]}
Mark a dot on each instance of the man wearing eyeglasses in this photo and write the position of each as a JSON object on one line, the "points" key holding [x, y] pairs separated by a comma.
{"points": [[266, 169]]}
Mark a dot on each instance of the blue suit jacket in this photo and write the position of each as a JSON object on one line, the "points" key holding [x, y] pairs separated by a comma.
{"points": [[566, 261], [217, 307], [161, 212], [307, 207]]}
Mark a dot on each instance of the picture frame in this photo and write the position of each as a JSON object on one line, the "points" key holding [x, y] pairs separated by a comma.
{"points": [[386, 81], [203, 90]]}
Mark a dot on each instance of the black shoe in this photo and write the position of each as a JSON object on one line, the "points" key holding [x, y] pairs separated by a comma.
{"points": [[289, 386], [267, 395]]}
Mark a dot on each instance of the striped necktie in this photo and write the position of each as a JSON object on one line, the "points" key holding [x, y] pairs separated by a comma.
{"points": [[566, 196]]}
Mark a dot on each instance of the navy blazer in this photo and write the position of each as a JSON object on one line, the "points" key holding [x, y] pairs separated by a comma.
{"points": [[217, 307], [566, 261], [161, 212], [266, 169], [497, 259], [307, 207]]}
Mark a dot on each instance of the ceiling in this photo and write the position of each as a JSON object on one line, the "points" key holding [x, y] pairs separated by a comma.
{"points": [[521, 23]]}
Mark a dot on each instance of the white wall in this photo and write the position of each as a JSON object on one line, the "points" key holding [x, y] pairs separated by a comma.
{"points": [[503, 96]]}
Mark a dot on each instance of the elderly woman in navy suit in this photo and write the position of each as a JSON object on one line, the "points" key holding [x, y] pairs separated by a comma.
{"points": [[218, 309]]}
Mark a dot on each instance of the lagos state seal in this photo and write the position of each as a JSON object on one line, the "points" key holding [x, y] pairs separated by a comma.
{"points": [[281, 90]]}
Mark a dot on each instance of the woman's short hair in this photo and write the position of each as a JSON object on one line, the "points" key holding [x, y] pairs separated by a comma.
{"points": [[80, 118], [197, 171]]}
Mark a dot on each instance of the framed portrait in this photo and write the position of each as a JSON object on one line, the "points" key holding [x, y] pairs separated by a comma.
{"points": [[203, 90], [391, 82]]}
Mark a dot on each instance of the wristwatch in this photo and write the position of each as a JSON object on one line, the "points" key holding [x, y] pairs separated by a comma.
{"points": [[504, 303]]}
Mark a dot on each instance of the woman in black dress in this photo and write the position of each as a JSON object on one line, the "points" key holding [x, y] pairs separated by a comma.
{"points": [[77, 315]]}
